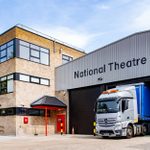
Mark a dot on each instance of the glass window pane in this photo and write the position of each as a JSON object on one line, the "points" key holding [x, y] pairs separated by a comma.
{"points": [[35, 53], [71, 58], [24, 52], [3, 46], [10, 52], [24, 43], [35, 59], [3, 53], [65, 57], [24, 77], [21, 111], [45, 81], [10, 86], [10, 76], [3, 87], [35, 80], [44, 58], [11, 111], [44, 50], [64, 61], [10, 43], [34, 112], [3, 78], [34, 46], [3, 112], [3, 59]]}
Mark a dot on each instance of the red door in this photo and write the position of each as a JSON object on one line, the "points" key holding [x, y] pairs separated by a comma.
{"points": [[61, 119]]}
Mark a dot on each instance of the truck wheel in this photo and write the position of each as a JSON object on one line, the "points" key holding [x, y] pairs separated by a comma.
{"points": [[129, 132], [144, 129]]}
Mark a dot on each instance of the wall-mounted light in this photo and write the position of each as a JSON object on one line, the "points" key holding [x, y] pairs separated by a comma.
{"points": [[100, 79]]}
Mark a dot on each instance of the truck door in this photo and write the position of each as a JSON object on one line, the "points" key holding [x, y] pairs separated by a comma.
{"points": [[126, 110]]}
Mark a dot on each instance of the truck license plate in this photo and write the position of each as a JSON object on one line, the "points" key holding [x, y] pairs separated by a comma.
{"points": [[106, 134]]}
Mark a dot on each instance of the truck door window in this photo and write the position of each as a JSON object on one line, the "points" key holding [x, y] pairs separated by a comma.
{"points": [[125, 104]]}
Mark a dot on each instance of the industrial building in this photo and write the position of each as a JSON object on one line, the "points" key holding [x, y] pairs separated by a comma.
{"points": [[81, 81], [28, 103]]}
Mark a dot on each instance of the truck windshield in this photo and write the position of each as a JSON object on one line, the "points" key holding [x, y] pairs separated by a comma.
{"points": [[107, 106]]}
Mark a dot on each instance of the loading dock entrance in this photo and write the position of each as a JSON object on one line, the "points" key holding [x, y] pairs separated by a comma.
{"points": [[81, 109], [81, 104]]}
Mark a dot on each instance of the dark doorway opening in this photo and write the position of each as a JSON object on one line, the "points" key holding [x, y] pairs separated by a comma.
{"points": [[81, 106]]}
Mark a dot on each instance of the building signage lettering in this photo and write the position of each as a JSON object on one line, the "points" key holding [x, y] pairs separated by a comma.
{"points": [[112, 66]]}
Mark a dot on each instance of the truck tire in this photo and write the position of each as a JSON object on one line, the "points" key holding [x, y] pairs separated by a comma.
{"points": [[130, 132], [144, 130]]}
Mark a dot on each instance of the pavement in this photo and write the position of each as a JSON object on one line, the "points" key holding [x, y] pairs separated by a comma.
{"points": [[72, 142]]}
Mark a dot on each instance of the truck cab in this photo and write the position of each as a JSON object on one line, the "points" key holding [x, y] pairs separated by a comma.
{"points": [[117, 113]]}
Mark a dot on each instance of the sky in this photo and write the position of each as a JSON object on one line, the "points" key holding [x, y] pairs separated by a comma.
{"points": [[85, 24]]}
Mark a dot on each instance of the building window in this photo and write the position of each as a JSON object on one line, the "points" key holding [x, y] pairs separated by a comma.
{"points": [[32, 79], [24, 78], [10, 111], [44, 58], [6, 84], [10, 52], [23, 111], [7, 51], [44, 81], [66, 58], [9, 86], [3, 86], [24, 52], [37, 112], [33, 53], [35, 80]]}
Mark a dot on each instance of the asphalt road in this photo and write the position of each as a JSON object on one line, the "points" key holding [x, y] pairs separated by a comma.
{"points": [[72, 142]]}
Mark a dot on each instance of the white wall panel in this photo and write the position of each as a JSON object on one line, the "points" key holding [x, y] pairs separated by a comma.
{"points": [[135, 46]]}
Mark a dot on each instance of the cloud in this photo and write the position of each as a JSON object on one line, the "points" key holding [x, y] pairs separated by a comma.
{"points": [[143, 20], [140, 16], [103, 7], [71, 36]]}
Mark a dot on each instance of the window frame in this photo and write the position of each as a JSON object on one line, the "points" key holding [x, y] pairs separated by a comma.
{"points": [[30, 79], [24, 75], [70, 58], [5, 47], [6, 79], [33, 77], [37, 48]]}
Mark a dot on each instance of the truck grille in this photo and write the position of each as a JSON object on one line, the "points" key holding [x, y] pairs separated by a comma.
{"points": [[106, 122]]}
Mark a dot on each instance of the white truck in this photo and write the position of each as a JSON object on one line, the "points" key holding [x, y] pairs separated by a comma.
{"points": [[123, 111]]}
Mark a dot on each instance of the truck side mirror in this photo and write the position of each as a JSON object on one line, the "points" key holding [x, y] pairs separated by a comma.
{"points": [[95, 105]]}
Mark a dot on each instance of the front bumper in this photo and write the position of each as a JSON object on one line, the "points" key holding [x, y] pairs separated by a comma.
{"points": [[112, 131]]}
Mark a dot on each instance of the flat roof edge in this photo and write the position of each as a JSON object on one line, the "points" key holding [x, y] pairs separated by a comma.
{"points": [[109, 44], [44, 36]]}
